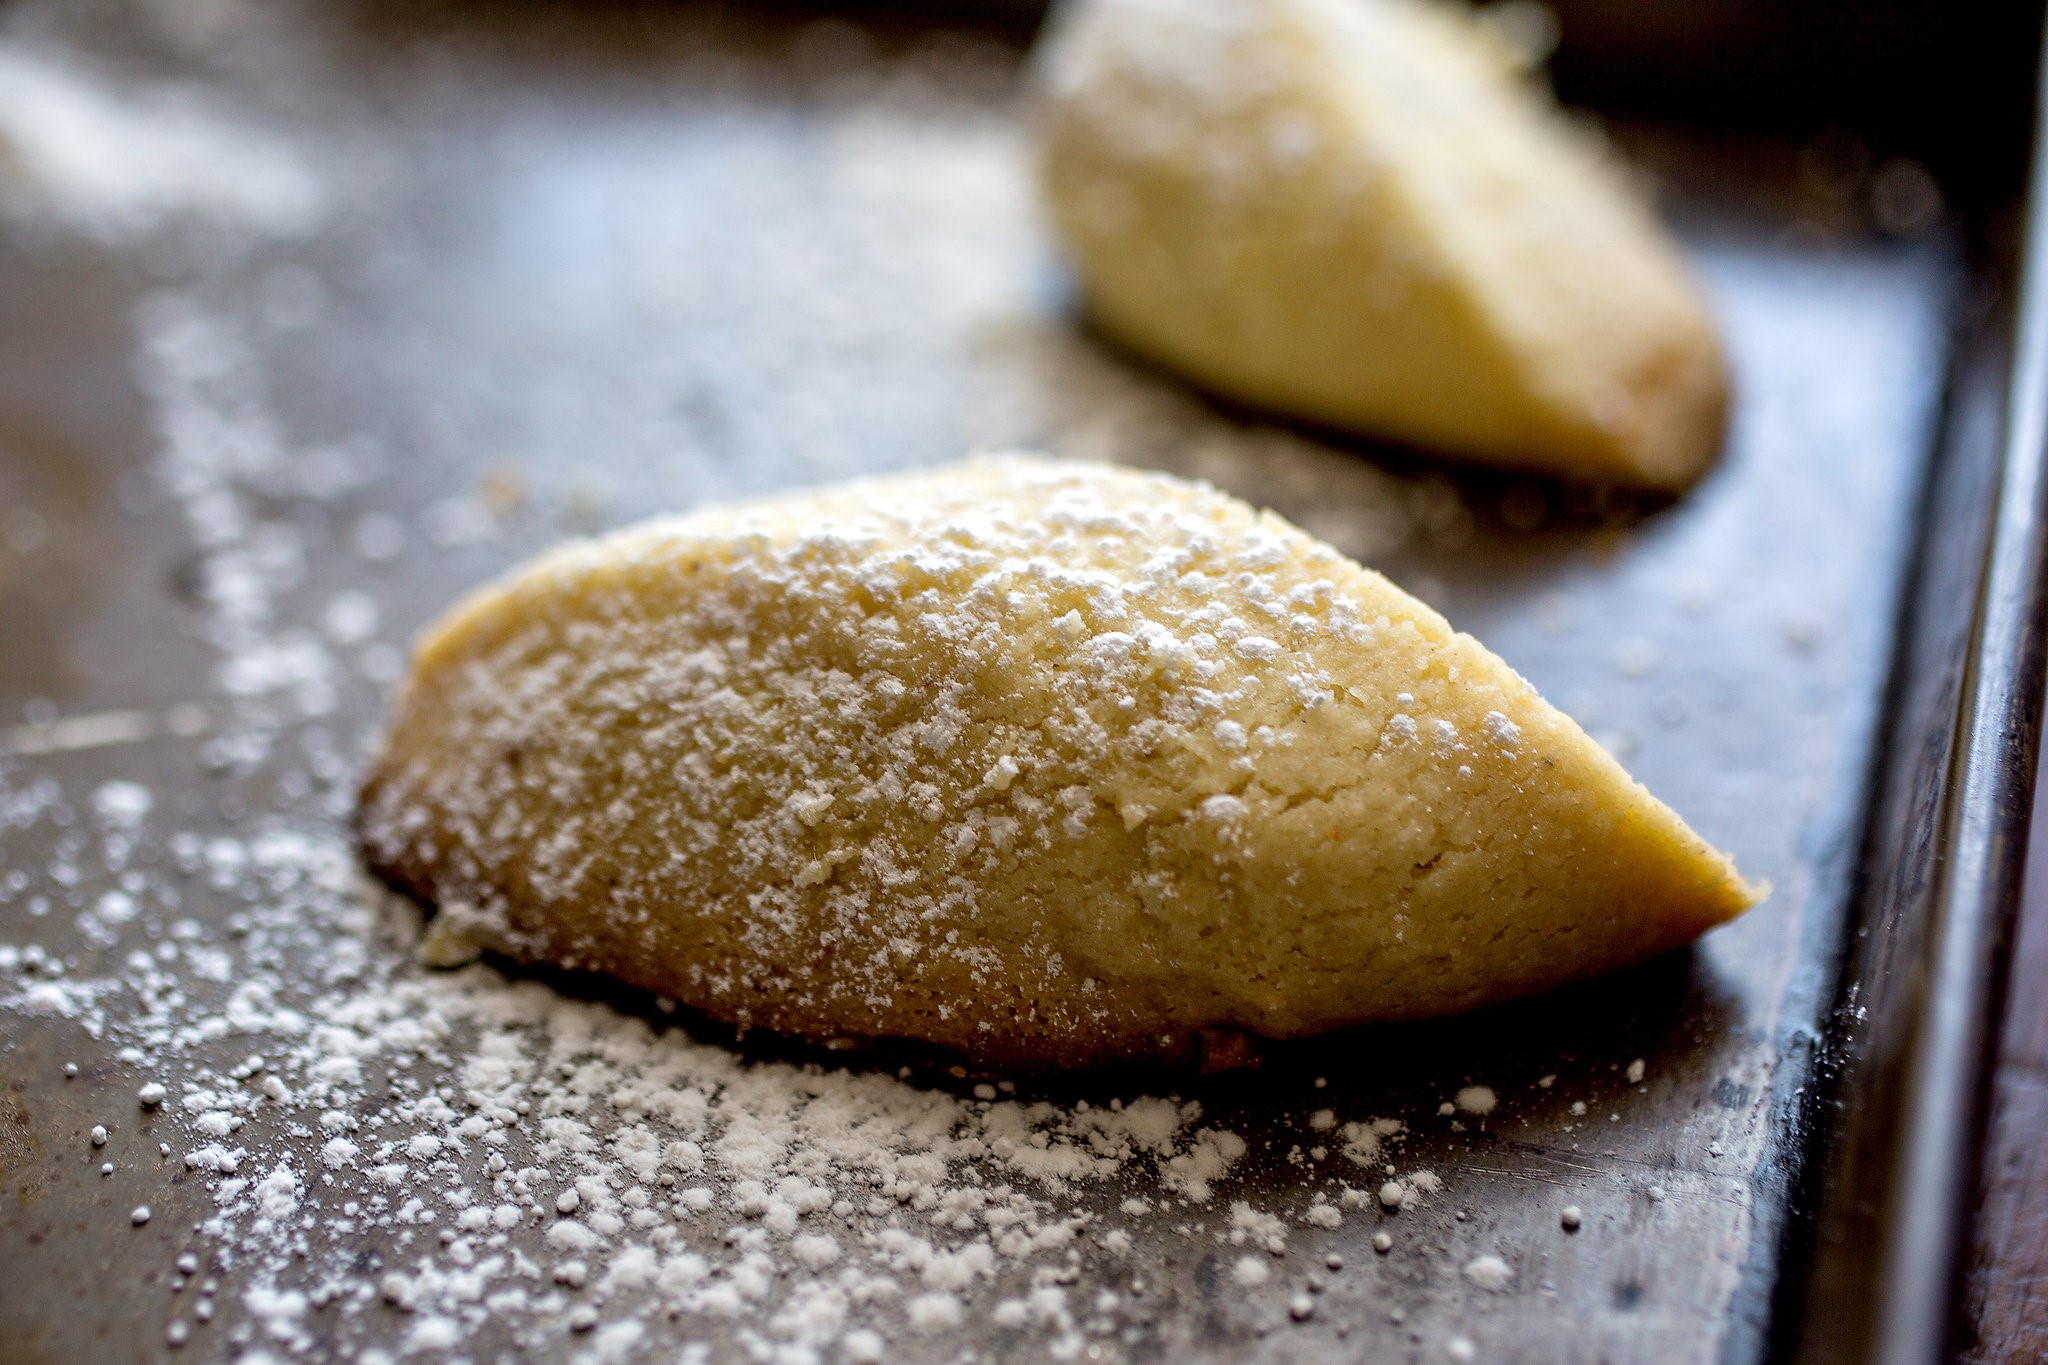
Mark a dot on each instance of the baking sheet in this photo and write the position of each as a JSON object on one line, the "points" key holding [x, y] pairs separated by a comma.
{"points": [[407, 298]]}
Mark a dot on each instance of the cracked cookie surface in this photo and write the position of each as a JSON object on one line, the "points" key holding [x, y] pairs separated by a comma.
{"points": [[1048, 763]]}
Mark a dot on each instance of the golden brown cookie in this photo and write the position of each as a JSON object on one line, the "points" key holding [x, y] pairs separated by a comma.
{"points": [[1048, 763], [1360, 212]]}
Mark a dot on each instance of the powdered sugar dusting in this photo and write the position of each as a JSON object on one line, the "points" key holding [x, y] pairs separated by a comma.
{"points": [[966, 731], [550, 1165], [96, 152]]}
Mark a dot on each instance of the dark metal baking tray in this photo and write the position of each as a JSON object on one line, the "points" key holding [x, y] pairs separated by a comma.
{"points": [[575, 264]]}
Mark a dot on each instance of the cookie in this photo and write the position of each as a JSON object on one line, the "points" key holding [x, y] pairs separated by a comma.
{"points": [[1050, 764], [1359, 212]]}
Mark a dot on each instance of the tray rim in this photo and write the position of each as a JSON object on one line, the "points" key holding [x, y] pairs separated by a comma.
{"points": [[1962, 894], [1983, 840]]}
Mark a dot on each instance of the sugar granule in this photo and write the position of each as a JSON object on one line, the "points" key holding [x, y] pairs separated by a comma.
{"points": [[1489, 1272]]}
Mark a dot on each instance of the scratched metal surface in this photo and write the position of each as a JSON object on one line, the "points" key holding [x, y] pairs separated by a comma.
{"points": [[568, 270]]}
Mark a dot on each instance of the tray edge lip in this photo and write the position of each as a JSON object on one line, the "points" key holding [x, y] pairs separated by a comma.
{"points": [[1981, 850]]}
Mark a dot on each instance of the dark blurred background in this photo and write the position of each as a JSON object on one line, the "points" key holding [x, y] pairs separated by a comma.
{"points": [[1946, 84]]}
